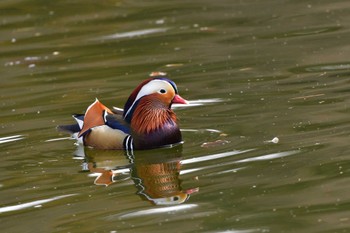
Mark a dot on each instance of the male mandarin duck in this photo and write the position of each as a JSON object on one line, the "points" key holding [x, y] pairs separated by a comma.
{"points": [[146, 122]]}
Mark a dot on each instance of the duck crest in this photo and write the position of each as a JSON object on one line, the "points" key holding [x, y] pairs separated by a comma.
{"points": [[130, 102], [135, 96]]}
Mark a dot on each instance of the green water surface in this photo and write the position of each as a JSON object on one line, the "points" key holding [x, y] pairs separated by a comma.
{"points": [[266, 136]]}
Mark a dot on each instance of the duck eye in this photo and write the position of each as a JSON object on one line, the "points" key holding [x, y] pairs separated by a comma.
{"points": [[162, 91]]}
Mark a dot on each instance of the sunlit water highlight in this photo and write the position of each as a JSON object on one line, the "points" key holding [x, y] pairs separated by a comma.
{"points": [[159, 210], [11, 138], [34, 204]]}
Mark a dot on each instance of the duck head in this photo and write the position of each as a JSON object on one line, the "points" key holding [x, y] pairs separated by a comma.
{"points": [[148, 111]]}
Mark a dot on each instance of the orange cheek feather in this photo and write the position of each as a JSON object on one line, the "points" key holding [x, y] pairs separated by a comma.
{"points": [[148, 116]]}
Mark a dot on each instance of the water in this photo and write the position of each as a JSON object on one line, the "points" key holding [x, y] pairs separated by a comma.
{"points": [[255, 72]]}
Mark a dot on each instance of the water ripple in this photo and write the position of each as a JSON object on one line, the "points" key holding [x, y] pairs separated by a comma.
{"points": [[269, 156], [11, 138], [215, 156], [322, 68], [226, 154], [199, 102], [133, 33], [32, 203], [158, 210]]}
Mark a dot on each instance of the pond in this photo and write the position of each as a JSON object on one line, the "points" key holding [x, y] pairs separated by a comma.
{"points": [[266, 133]]}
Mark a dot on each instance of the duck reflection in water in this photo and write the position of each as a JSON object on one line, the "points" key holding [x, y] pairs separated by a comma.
{"points": [[155, 173]]}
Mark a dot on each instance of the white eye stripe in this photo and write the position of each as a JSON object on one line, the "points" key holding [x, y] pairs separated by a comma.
{"points": [[151, 87]]}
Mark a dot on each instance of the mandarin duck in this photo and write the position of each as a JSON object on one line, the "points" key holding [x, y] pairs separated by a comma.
{"points": [[146, 122]]}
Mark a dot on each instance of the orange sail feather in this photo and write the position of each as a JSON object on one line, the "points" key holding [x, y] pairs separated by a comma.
{"points": [[94, 116]]}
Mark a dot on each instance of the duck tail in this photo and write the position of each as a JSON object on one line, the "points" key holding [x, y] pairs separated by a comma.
{"points": [[69, 128], [74, 128]]}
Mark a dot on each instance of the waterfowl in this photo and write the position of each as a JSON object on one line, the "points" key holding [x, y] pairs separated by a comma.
{"points": [[146, 122]]}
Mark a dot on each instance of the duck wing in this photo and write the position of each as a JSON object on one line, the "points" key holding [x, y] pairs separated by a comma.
{"points": [[118, 111], [96, 114], [116, 121]]}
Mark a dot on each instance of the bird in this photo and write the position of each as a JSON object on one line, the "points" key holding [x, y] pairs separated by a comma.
{"points": [[146, 122]]}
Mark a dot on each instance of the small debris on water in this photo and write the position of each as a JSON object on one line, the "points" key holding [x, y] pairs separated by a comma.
{"points": [[174, 65], [275, 140], [160, 21], [158, 73]]}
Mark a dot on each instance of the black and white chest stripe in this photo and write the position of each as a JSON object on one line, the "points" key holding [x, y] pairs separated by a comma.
{"points": [[128, 143]]}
